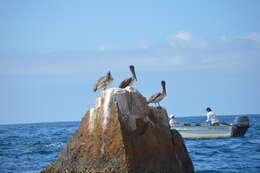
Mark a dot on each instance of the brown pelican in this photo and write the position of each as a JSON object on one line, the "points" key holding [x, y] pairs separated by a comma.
{"points": [[156, 98], [103, 82], [129, 81]]}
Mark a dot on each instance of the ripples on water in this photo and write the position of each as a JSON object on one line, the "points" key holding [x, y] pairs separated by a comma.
{"points": [[30, 147], [27, 148]]}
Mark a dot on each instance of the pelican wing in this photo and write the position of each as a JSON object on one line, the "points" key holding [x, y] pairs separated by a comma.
{"points": [[100, 82], [154, 97], [125, 82]]}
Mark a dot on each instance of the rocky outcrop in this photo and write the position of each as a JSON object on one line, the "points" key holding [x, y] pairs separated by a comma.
{"points": [[121, 134]]}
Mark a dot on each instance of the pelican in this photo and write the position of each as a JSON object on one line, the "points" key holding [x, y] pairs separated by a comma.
{"points": [[156, 98], [129, 81], [103, 82]]}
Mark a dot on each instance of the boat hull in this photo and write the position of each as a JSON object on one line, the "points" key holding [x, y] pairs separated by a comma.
{"points": [[222, 131], [204, 131]]}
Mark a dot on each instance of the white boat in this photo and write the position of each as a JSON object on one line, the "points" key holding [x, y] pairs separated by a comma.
{"points": [[188, 130]]}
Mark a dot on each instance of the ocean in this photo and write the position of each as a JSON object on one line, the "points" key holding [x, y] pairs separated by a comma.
{"points": [[27, 148]]}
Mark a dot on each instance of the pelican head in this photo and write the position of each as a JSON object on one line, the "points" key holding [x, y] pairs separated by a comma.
{"points": [[132, 69], [163, 86], [109, 76]]}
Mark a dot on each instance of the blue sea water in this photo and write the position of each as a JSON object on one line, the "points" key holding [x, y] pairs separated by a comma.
{"points": [[27, 148]]}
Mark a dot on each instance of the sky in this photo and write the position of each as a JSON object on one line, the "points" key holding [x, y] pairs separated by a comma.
{"points": [[52, 53]]}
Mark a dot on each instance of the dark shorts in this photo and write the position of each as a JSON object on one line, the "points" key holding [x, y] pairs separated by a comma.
{"points": [[215, 124]]}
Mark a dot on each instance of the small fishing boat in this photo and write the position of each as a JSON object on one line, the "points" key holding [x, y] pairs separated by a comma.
{"points": [[224, 130]]}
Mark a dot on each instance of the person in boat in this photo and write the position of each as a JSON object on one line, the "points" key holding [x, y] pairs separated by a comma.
{"points": [[211, 117], [172, 120]]}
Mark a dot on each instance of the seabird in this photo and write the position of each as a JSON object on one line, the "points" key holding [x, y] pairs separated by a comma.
{"points": [[103, 82], [156, 98], [129, 81]]}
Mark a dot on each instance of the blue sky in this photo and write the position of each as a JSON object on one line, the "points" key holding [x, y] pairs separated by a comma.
{"points": [[52, 52]]}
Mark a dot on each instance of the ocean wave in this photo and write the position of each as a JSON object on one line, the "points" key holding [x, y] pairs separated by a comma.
{"points": [[55, 144]]}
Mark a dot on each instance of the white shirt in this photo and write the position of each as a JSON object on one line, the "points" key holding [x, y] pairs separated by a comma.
{"points": [[211, 117], [172, 122]]}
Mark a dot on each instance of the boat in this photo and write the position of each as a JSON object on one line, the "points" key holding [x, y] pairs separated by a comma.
{"points": [[224, 130]]}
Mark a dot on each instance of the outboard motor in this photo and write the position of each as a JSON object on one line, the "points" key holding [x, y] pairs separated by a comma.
{"points": [[240, 127]]}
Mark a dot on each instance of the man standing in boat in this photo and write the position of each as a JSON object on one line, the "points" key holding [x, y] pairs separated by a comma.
{"points": [[211, 117], [172, 120]]}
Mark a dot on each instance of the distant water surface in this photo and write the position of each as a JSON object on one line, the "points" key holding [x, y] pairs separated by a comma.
{"points": [[27, 148]]}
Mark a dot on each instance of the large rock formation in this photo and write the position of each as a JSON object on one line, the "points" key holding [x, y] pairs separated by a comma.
{"points": [[121, 134]]}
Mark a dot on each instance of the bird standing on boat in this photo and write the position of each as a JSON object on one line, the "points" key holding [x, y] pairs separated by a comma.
{"points": [[156, 98], [129, 81], [103, 82]]}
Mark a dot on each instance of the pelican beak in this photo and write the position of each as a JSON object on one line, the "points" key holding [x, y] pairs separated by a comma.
{"points": [[164, 87], [135, 76], [133, 72]]}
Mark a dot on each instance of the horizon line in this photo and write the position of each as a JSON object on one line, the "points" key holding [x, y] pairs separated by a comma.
{"points": [[67, 121]]}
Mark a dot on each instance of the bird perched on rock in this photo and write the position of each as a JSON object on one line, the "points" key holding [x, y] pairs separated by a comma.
{"points": [[156, 98], [129, 81], [103, 82]]}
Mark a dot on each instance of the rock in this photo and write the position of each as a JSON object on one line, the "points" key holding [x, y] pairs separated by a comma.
{"points": [[121, 134]]}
